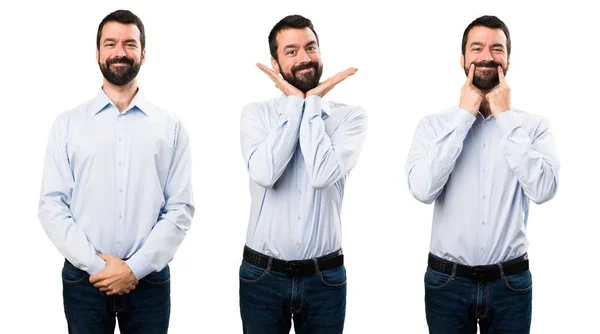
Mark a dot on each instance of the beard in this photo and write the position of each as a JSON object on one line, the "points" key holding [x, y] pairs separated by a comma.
{"points": [[122, 75], [490, 78], [304, 81]]}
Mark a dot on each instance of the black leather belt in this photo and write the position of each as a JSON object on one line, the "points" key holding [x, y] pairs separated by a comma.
{"points": [[294, 268], [480, 273]]}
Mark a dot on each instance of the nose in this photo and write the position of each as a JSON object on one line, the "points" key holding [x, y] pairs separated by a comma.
{"points": [[304, 58], [487, 55], [120, 51]]}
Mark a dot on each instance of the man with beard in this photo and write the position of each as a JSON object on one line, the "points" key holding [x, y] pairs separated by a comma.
{"points": [[116, 196], [481, 162], [299, 149]]}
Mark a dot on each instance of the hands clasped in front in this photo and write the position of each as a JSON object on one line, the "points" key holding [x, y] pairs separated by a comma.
{"points": [[116, 278], [498, 98]]}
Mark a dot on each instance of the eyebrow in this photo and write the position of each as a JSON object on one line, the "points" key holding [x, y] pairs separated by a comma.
{"points": [[295, 46], [114, 40], [482, 44]]}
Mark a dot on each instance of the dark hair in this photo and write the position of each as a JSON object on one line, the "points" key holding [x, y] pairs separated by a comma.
{"points": [[288, 22], [488, 21], [125, 17]]}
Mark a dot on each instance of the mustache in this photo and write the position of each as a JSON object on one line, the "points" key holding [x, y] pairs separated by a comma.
{"points": [[486, 64], [121, 60], [305, 66]]}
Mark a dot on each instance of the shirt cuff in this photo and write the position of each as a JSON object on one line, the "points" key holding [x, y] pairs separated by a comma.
{"points": [[293, 106], [313, 105], [464, 120], [139, 266], [507, 122], [96, 266]]}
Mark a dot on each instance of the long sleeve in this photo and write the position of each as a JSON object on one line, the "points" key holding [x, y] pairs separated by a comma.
{"points": [[330, 157], [175, 217], [268, 147], [55, 201], [433, 154], [534, 160]]}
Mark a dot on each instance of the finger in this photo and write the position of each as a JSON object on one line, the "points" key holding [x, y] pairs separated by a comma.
{"points": [[268, 72], [471, 74], [501, 75], [96, 278], [104, 257]]}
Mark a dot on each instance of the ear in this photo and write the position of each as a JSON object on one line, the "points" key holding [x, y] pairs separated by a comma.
{"points": [[507, 63], [275, 65], [143, 58], [462, 61], [97, 55]]}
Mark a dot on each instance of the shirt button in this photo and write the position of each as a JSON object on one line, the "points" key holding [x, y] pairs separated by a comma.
{"points": [[482, 223], [120, 138], [120, 190], [120, 163], [482, 249], [484, 145], [299, 217], [484, 197], [468, 123], [483, 170], [300, 191], [120, 216], [297, 244]]}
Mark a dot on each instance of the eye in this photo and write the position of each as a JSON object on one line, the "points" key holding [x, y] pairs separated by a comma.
{"points": [[498, 50], [312, 48], [476, 49], [291, 52]]}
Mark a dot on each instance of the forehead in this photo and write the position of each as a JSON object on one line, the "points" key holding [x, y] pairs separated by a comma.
{"points": [[120, 31], [486, 36], [294, 36]]}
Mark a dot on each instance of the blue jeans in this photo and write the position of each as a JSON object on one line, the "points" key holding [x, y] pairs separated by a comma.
{"points": [[456, 304], [269, 300], [88, 310]]}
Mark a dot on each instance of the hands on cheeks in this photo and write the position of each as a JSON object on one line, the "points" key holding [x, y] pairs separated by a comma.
{"points": [[498, 98], [323, 88], [116, 278]]}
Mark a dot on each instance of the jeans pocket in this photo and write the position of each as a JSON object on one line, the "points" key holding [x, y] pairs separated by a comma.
{"points": [[519, 282], [72, 275], [250, 273], [435, 279], [335, 277], [159, 277]]}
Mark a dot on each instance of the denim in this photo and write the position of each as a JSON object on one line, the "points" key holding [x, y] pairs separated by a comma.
{"points": [[270, 300], [456, 304], [88, 310]]}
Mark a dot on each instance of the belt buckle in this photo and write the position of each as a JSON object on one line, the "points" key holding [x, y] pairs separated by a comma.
{"points": [[292, 268], [478, 273]]}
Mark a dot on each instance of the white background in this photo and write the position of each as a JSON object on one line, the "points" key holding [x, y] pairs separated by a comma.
{"points": [[200, 65]]}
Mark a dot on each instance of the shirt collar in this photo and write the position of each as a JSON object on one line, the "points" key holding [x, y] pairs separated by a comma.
{"points": [[102, 100]]}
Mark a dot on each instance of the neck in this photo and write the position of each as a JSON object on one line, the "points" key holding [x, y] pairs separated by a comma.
{"points": [[485, 109], [121, 96]]}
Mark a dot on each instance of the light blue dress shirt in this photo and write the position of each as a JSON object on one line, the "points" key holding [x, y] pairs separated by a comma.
{"points": [[117, 183], [298, 153], [482, 173]]}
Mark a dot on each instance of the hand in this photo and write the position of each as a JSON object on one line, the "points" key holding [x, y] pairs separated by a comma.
{"points": [[327, 85], [499, 97], [470, 96], [116, 278], [286, 88]]}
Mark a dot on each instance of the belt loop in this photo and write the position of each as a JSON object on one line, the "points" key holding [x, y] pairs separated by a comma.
{"points": [[317, 270], [501, 270], [268, 271], [454, 266]]}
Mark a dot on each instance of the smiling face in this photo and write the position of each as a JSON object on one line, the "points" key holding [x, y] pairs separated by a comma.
{"points": [[486, 48], [298, 58], [120, 53]]}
